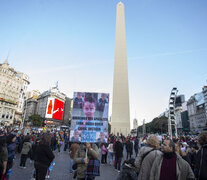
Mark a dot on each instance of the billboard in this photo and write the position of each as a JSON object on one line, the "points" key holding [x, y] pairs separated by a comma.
{"points": [[54, 109], [89, 117]]}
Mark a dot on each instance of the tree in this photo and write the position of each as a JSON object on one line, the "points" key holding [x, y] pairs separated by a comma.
{"points": [[36, 120], [157, 125]]}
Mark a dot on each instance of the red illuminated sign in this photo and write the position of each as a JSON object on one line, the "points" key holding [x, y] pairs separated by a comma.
{"points": [[58, 110]]}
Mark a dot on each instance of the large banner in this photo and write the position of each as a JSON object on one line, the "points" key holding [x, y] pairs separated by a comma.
{"points": [[89, 117], [54, 109]]}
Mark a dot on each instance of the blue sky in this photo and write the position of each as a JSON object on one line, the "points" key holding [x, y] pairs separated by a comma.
{"points": [[73, 42]]}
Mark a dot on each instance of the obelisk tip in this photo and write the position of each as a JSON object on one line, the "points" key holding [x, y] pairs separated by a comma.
{"points": [[120, 3]]}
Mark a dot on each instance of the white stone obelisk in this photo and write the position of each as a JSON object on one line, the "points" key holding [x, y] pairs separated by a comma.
{"points": [[120, 104]]}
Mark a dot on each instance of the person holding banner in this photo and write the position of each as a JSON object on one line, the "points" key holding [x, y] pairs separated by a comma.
{"points": [[84, 154]]}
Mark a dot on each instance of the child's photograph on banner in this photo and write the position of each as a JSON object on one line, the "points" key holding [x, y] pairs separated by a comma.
{"points": [[89, 115]]}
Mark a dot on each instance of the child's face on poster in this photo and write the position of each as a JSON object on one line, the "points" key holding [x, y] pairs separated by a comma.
{"points": [[89, 109], [79, 95], [76, 134], [102, 136]]}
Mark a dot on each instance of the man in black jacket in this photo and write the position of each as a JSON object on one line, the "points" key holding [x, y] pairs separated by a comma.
{"points": [[201, 158], [118, 154], [43, 157], [129, 149]]}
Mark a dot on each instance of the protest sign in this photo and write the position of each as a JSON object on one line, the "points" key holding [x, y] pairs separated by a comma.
{"points": [[89, 117]]}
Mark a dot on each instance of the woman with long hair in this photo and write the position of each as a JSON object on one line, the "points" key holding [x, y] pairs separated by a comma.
{"points": [[43, 157], [146, 157]]}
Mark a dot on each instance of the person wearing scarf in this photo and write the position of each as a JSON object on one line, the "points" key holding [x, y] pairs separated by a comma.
{"points": [[170, 165]]}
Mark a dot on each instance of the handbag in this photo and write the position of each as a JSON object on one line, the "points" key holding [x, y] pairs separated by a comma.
{"points": [[93, 168], [75, 166]]}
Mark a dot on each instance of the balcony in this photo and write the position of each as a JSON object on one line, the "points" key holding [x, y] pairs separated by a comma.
{"points": [[8, 101]]}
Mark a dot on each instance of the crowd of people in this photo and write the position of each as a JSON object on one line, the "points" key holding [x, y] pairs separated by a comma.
{"points": [[38, 147], [150, 157]]}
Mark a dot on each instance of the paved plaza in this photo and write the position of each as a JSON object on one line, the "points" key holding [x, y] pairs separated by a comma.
{"points": [[60, 171]]}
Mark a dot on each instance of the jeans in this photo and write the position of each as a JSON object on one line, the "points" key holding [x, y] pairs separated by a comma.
{"points": [[66, 146], [129, 154], [118, 163], [111, 158], [71, 165], [136, 152]]}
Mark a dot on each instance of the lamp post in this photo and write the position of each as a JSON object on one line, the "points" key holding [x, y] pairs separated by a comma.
{"points": [[24, 111], [143, 127]]}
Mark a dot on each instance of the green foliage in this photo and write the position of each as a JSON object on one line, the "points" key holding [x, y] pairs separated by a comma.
{"points": [[37, 120], [157, 125]]}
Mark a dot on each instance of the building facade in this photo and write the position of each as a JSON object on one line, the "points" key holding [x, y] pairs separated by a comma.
{"points": [[178, 118], [196, 113], [185, 121], [34, 94], [29, 109], [13, 86], [67, 113], [46, 101], [205, 101]]}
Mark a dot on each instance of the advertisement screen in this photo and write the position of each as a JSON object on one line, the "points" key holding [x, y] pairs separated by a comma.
{"points": [[89, 117], [54, 109], [50, 106], [58, 110]]}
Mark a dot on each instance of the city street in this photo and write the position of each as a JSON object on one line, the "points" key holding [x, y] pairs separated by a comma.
{"points": [[60, 170]]}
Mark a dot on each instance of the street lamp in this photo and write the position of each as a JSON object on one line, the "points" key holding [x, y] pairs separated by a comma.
{"points": [[24, 111]]}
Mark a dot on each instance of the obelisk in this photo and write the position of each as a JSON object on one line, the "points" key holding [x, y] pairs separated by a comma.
{"points": [[120, 105]]}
